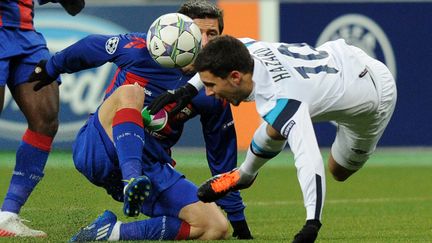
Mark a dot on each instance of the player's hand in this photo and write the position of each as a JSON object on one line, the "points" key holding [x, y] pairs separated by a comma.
{"points": [[182, 96], [73, 7], [241, 230], [40, 76]]}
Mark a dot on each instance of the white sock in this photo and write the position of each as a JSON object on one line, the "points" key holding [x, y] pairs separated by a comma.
{"points": [[8, 214], [115, 233]]}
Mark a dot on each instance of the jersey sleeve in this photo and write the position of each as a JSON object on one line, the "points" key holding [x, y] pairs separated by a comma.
{"points": [[91, 51], [196, 82], [221, 147], [292, 119]]}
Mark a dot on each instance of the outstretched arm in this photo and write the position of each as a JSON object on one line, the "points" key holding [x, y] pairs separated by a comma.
{"points": [[87, 53], [181, 96], [294, 123]]}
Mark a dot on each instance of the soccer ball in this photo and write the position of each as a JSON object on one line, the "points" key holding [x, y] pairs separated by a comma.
{"points": [[154, 122], [174, 40]]}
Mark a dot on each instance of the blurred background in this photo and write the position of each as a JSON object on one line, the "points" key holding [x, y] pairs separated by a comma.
{"points": [[396, 32]]}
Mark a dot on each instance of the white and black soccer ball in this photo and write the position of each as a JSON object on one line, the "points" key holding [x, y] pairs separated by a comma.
{"points": [[174, 40]]}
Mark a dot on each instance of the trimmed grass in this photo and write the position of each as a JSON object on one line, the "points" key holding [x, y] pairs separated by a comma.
{"points": [[389, 200]]}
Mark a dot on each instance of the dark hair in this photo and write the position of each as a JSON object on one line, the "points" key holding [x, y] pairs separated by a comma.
{"points": [[201, 9], [222, 55]]}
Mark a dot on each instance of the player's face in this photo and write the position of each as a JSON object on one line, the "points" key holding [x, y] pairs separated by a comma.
{"points": [[209, 29], [228, 89]]}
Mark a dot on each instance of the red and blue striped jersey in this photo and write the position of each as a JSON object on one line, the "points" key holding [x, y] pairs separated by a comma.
{"points": [[17, 14], [134, 64]]}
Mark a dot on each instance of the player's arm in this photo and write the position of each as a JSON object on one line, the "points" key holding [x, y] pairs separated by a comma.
{"points": [[73, 7], [89, 52], [181, 96], [221, 147], [293, 122]]}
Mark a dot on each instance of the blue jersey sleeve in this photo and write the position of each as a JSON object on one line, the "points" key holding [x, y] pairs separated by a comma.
{"points": [[221, 146], [92, 51]]}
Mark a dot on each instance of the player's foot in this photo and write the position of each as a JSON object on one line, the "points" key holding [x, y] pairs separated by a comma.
{"points": [[11, 225], [241, 230], [308, 233], [220, 185], [135, 193], [99, 230]]}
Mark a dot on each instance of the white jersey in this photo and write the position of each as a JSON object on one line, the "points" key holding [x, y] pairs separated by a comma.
{"points": [[326, 78], [295, 84]]}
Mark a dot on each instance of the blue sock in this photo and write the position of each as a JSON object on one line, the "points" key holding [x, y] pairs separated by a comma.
{"points": [[31, 157], [128, 135], [159, 228]]}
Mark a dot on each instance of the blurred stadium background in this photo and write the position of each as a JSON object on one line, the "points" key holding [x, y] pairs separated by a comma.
{"points": [[396, 32], [388, 201]]}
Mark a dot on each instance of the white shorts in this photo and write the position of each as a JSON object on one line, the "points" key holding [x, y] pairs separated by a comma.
{"points": [[357, 138]]}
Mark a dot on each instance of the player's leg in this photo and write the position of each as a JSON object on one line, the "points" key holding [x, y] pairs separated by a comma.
{"points": [[206, 220], [339, 172], [40, 109], [266, 144], [356, 141], [183, 215], [176, 215], [203, 221], [120, 116]]}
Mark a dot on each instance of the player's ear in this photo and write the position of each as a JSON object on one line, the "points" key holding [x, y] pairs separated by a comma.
{"points": [[235, 77]]}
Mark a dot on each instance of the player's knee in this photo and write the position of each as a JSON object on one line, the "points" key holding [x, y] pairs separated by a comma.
{"points": [[130, 96], [217, 229], [47, 124], [221, 229], [207, 221], [338, 172]]}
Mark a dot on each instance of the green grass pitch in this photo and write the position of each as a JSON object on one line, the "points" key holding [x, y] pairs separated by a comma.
{"points": [[389, 200]]}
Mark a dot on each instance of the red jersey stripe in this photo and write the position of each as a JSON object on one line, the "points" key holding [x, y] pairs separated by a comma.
{"points": [[133, 78], [26, 14], [1, 19]]}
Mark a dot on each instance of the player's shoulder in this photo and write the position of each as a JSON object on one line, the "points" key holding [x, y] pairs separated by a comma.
{"points": [[247, 41], [133, 44], [135, 40]]}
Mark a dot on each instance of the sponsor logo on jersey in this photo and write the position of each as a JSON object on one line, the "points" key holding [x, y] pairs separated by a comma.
{"points": [[362, 32], [137, 42], [80, 93], [287, 129]]}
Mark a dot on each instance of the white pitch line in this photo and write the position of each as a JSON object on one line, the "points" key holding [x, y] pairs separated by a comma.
{"points": [[341, 201]]}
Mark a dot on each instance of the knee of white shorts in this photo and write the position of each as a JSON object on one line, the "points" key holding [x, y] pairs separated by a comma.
{"points": [[349, 158]]}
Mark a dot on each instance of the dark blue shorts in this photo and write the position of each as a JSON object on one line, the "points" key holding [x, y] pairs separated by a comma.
{"points": [[95, 157], [20, 51]]}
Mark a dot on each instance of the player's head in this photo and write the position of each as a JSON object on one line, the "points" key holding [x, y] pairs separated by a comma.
{"points": [[226, 67], [206, 15]]}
